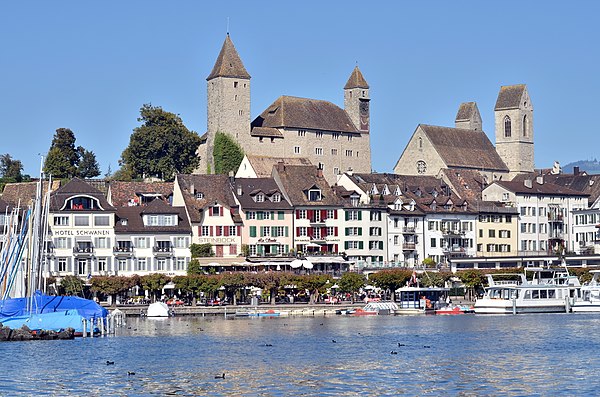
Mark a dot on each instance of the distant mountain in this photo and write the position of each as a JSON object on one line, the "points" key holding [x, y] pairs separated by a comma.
{"points": [[589, 166]]}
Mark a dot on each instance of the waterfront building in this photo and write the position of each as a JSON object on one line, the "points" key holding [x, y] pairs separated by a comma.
{"points": [[333, 138], [467, 147], [212, 212], [497, 229]]}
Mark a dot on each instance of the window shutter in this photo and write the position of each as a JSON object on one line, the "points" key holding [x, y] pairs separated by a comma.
{"points": [[335, 231], [273, 231], [311, 215], [108, 264], [69, 243], [280, 215], [360, 231], [335, 214], [297, 231], [272, 215], [381, 245], [218, 230], [286, 233], [347, 215], [199, 230], [226, 231], [220, 211], [346, 231], [287, 249], [323, 232], [360, 215], [69, 265], [187, 242], [335, 248], [210, 230], [297, 214], [508, 234], [252, 231], [310, 232], [261, 231], [346, 244], [239, 230], [323, 215], [360, 245], [247, 215]]}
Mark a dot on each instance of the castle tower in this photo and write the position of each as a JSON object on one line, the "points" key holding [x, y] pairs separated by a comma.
{"points": [[356, 100], [228, 88], [468, 117], [514, 128]]}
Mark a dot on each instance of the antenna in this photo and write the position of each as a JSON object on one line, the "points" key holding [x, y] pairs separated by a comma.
{"points": [[227, 26]]}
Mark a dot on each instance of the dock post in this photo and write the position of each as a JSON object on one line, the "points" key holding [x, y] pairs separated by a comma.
{"points": [[514, 306], [84, 324], [567, 304]]}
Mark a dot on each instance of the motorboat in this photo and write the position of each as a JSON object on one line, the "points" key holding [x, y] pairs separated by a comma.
{"points": [[589, 297], [420, 300], [542, 291], [454, 309]]}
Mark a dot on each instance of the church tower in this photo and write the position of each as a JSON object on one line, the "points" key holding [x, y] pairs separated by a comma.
{"points": [[514, 128], [468, 117], [356, 100], [228, 88]]}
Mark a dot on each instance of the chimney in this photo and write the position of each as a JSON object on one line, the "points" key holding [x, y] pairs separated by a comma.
{"points": [[280, 166], [192, 190], [319, 172], [349, 172], [540, 180], [231, 177], [239, 190], [576, 170], [528, 183]]}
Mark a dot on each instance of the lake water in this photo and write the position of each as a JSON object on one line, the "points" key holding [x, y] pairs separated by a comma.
{"points": [[550, 354]]}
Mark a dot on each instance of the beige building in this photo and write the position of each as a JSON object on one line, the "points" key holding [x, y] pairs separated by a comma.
{"points": [[467, 147], [497, 230], [334, 139]]}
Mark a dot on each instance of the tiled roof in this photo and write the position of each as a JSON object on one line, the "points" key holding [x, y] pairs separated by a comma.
{"points": [[313, 114], [213, 188], [24, 192], [122, 192], [4, 206], [266, 132], [466, 110], [464, 148], [251, 186], [229, 63], [135, 222], [468, 184], [298, 179], [356, 80], [263, 165], [548, 189], [583, 183], [77, 187], [510, 96], [158, 206]]}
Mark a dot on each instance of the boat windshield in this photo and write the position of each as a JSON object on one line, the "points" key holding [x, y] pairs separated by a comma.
{"points": [[501, 293]]}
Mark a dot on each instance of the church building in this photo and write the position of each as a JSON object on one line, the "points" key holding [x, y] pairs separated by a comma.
{"points": [[467, 147], [334, 139]]}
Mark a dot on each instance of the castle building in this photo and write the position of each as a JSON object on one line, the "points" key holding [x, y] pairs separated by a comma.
{"points": [[467, 147], [334, 139]]}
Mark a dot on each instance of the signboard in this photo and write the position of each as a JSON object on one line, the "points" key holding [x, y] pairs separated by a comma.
{"points": [[217, 240], [91, 232]]}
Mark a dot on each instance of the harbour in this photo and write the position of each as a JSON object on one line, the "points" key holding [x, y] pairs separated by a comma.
{"points": [[537, 354]]}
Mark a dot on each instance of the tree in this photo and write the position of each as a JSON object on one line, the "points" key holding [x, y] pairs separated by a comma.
{"points": [[72, 285], [201, 250], [227, 154], [88, 166], [351, 282], [154, 283], [10, 169], [162, 146], [390, 280], [63, 156], [473, 280], [314, 283], [232, 282], [112, 285], [194, 267], [435, 279]]}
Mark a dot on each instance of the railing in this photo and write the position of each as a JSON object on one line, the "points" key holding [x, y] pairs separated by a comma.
{"points": [[453, 232], [162, 249], [556, 235], [555, 218], [408, 230], [125, 249], [409, 246], [83, 250]]}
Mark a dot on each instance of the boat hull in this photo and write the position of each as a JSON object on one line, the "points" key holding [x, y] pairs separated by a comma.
{"points": [[586, 307], [495, 306]]}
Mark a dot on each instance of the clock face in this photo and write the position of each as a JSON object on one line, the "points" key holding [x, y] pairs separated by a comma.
{"points": [[421, 167], [364, 115]]}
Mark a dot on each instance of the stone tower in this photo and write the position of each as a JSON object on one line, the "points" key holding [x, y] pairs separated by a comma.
{"points": [[356, 100], [468, 117], [514, 128], [228, 88]]}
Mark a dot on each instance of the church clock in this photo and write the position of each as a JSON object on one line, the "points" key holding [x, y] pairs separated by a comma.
{"points": [[421, 167], [363, 109]]}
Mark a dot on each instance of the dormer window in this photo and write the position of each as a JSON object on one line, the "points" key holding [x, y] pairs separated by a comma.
{"points": [[385, 190], [398, 192], [199, 195], [276, 198], [314, 195], [259, 198], [160, 220], [124, 222], [82, 203], [216, 210], [373, 190], [434, 193]]}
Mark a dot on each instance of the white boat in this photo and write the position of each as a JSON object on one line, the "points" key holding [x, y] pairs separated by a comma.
{"points": [[548, 291], [158, 309], [589, 299], [420, 300]]}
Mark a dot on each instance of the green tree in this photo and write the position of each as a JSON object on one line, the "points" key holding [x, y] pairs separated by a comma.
{"points": [[201, 250], [154, 283], [194, 267], [232, 282], [88, 166], [11, 169], [390, 280], [162, 146], [473, 280], [314, 283], [112, 285], [227, 154], [351, 283], [63, 156], [270, 281], [72, 285], [434, 279]]}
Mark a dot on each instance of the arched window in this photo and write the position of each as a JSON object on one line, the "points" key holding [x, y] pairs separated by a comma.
{"points": [[420, 143], [507, 127], [525, 126]]}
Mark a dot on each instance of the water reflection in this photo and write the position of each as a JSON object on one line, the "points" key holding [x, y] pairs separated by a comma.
{"points": [[462, 355]]}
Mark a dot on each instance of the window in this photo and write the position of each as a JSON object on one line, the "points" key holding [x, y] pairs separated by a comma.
{"points": [[420, 143], [62, 242], [507, 126], [61, 221], [352, 215], [433, 241], [353, 231], [141, 242], [319, 151], [396, 239], [336, 171], [504, 196], [334, 152], [319, 134], [82, 266], [101, 242], [525, 125], [215, 211], [278, 231], [352, 244], [241, 112], [301, 214], [296, 149], [335, 135], [180, 264], [301, 132], [491, 233], [314, 195], [161, 264], [180, 242], [302, 231], [141, 264], [62, 264], [276, 197], [102, 220], [259, 198], [232, 230], [348, 153], [205, 231], [160, 220], [122, 265], [82, 220], [235, 84], [331, 214], [349, 137]]}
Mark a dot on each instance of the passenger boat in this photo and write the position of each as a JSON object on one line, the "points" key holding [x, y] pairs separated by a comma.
{"points": [[589, 298], [420, 300], [548, 291]]}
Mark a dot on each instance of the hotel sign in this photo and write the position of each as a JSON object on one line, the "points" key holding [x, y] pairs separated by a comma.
{"points": [[81, 232], [217, 240]]}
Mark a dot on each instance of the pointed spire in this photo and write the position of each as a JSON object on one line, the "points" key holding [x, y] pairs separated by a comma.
{"points": [[356, 80], [229, 63]]}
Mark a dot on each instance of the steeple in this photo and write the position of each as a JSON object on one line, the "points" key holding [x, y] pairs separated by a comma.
{"points": [[229, 63], [356, 80]]}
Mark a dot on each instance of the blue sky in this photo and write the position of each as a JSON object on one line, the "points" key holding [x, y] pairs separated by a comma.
{"points": [[90, 66]]}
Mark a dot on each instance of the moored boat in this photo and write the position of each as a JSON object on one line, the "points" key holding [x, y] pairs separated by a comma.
{"points": [[420, 300], [588, 300]]}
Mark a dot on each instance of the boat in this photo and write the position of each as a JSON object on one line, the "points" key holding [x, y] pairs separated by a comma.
{"points": [[22, 304], [546, 291], [589, 298], [420, 300], [158, 309], [454, 309]]}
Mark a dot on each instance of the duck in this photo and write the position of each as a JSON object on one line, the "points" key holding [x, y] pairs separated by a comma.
{"points": [[222, 376], [110, 362], [130, 373], [393, 352]]}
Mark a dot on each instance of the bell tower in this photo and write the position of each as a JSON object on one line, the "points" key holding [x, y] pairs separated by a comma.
{"points": [[356, 100], [513, 115]]}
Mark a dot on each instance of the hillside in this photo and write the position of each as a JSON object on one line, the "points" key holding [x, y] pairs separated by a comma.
{"points": [[590, 166]]}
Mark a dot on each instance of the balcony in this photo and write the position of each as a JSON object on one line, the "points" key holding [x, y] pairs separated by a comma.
{"points": [[453, 232], [556, 235], [556, 218], [408, 230], [317, 221], [162, 250], [84, 250], [408, 246]]}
